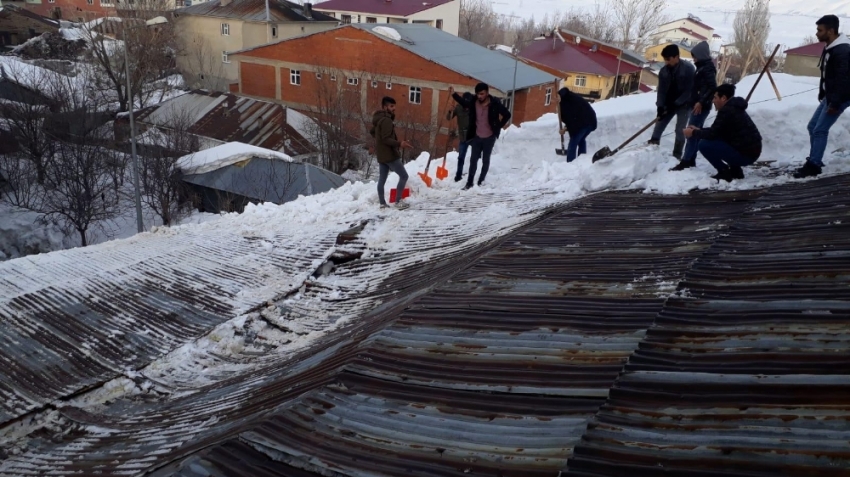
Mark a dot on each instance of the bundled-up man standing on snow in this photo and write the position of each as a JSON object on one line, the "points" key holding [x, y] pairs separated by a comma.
{"points": [[462, 114], [487, 117], [387, 148], [579, 120], [705, 83], [834, 94], [733, 141], [675, 91]]}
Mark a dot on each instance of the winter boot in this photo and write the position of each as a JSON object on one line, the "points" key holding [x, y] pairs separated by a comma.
{"points": [[682, 165], [654, 142], [808, 170], [737, 172], [677, 150], [401, 205], [725, 174]]}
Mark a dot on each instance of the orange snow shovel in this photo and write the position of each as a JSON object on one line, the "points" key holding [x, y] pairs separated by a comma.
{"points": [[442, 172], [424, 175]]}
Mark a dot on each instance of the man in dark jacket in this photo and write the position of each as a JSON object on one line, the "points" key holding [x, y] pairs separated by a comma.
{"points": [[462, 114], [387, 149], [675, 90], [579, 120], [703, 93], [834, 94], [487, 117], [733, 141]]}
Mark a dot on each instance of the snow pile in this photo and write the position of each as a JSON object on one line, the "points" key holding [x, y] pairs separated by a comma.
{"points": [[21, 234], [224, 155], [388, 32]]}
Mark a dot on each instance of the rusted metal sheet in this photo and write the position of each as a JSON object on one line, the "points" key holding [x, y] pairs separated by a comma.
{"points": [[748, 371]]}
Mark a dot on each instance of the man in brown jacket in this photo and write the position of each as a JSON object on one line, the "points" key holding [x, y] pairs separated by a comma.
{"points": [[387, 148]]}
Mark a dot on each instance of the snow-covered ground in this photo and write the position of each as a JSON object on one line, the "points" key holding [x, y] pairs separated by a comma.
{"points": [[791, 20], [525, 178]]}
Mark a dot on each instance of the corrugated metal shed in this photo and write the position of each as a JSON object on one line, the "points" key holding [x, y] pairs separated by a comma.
{"points": [[230, 118], [255, 11], [464, 57]]}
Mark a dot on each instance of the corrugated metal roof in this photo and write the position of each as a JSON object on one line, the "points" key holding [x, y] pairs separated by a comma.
{"points": [[230, 118], [813, 49], [381, 7], [464, 57], [268, 180], [576, 58], [747, 372], [255, 11]]}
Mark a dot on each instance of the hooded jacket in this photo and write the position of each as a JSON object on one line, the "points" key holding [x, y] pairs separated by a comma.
{"points": [[386, 141], [497, 115], [683, 76], [735, 127], [835, 72], [576, 112], [705, 78]]}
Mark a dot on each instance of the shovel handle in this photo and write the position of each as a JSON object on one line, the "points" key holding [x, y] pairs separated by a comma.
{"points": [[636, 135]]}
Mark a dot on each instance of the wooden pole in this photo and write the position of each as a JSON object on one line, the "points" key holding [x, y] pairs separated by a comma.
{"points": [[766, 67], [769, 76]]}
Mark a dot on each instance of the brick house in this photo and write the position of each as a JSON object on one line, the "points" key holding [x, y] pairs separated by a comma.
{"points": [[416, 64], [71, 10]]}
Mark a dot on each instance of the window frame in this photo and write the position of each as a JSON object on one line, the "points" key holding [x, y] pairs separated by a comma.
{"points": [[225, 29], [414, 92], [389, 86], [371, 19], [343, 18], [439, 24], [548, 99], [333, 77], [274, 31], [225, 58], [295, 77], [352, 81], [583, 79]]}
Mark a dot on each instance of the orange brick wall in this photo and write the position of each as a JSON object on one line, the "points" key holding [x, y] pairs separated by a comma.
{"points": [[258, 80], [72, 10]]}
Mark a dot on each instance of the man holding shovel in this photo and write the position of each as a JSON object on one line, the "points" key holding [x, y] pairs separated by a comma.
{"points": [[675, 90], [579, 120], [387, 148], [703, 94], [462, 114], [487, 117]]}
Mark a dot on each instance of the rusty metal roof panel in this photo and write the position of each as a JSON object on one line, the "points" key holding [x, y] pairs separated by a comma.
{"points": [[255, 11], [748, 371]]}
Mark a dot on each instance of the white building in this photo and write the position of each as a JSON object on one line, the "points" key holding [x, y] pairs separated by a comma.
{"points": [[442, 14], [690, 30]]}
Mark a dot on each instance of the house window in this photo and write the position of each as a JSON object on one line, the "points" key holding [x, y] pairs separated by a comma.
{"points": [[225, 29], [274, 31], [415, 95], [389, 86], [346, 19], [318, 76], [581, 81], [374, 84], [90, 2], [295, 77], [371, 20], [106, 3], [333, 77], [548, 97], [353, 81], [224, 58], [51, 1], [440, 24], [507, 101]]}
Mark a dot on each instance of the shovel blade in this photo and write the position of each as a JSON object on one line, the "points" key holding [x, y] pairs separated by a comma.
{"points": [[602, 153], [425, 178], [561, 152], [442, 173]]}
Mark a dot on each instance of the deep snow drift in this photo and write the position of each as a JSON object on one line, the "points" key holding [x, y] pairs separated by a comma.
{"points": [[525, 178]]}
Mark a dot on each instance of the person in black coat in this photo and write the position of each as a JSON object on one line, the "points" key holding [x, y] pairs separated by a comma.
{"points": [[579, 120], [487, 117], [705, 83], [733, 141], [674, 99], [834, 93]]}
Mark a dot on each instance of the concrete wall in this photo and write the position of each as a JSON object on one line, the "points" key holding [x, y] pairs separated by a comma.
{"points": [[802, 65], [449, 13]]}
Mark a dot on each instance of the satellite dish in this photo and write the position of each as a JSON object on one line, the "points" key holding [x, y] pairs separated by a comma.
{"points": [[578, 39]]}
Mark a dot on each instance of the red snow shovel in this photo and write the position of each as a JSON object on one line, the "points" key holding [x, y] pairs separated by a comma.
{"points": [[442, 172], [562, 151], [607, 152], [424, 175]]}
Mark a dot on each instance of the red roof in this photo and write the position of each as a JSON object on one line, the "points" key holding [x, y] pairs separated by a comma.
{"points": [[575, 58], [692, 33], [815, 49], [380, 7], [644, 88]]}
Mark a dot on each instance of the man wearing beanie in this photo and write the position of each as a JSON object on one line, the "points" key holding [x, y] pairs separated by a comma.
{"points": [[487, 117], [675, 91], [834, 93]]}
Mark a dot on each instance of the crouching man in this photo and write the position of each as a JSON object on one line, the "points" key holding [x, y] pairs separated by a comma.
{"points": [[733, 141]]}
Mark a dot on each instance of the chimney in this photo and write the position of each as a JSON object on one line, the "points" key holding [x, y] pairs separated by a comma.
{"points": [[308, 10]]}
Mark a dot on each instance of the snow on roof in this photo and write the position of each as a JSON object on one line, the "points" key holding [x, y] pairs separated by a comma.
{"points": [[388, 32], [224, 155], [303, 124], [25, 74]]}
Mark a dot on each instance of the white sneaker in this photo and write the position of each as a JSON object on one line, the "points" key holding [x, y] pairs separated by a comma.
{"points": [[385, 206], [401, 205]]}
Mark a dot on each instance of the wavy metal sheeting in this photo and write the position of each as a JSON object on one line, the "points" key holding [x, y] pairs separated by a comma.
{"points": [[747, 373]]}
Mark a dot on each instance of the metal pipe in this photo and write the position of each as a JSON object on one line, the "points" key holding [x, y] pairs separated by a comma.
{"points": [[617, 78], [513, 91], [140, 226]]}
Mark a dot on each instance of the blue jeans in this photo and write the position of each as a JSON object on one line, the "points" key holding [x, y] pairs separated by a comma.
{"points": [[697, 120], [578, 142], [681, 114], [461, 157], [819, 131], [481, 149], [721, 155], [384, 170]]}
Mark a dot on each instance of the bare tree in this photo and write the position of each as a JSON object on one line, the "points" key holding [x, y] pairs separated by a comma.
{"points": [[750, 31], [205, 65], [809, 40], [597, 23], [478, 22], [635, 20]]}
